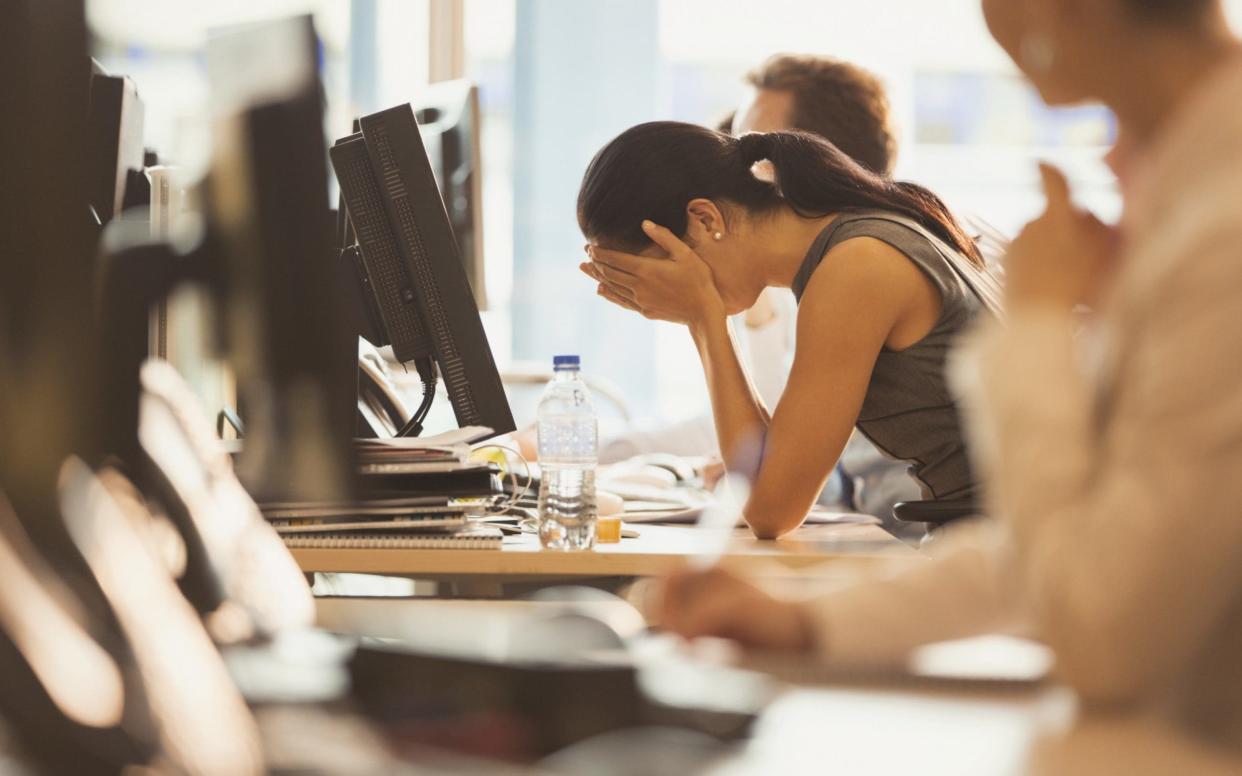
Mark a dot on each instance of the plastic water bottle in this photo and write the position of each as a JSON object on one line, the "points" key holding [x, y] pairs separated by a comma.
{"points": [[568, 453]]}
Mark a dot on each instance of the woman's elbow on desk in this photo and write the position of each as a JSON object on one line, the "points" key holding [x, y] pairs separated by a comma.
{"points": [[773, 512], [771, 527]]}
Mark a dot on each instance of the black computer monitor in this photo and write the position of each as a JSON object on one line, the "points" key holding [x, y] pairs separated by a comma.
{"points": [[48, 408], [270, 231], [46, 257], [412, 266], [448, 118], [115, 122]]}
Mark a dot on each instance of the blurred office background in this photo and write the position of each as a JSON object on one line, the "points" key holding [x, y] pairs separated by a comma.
{"points": [[558, 78]]}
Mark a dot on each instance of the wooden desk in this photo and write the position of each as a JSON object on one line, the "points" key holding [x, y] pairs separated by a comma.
{"points": [[880, 731], [959, 733], [857, 728], [657, 550]]}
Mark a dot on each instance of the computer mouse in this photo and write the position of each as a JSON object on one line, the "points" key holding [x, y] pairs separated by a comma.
{"points": [[679, 467], [608, 504], [645, 475]]}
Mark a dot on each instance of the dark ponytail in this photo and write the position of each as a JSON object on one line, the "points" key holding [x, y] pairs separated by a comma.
{"points": [[815, 178], [653, 170], [1175, 11]]}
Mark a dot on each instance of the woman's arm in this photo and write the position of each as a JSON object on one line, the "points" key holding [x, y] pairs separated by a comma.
{"points": [[854, 302], [737, 409]]}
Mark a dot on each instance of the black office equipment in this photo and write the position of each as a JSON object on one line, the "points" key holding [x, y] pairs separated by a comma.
{"points": [[231, 554], [177, 678], [133, 275], [935, 513], [449, 121], [264, 256], [385, 274], [395, 211], [47, 410], [67, 721], [117, 156], [552, 673], [453, 701], [270, 230]]}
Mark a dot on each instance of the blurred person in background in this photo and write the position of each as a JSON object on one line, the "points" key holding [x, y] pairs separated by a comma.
{"points": [[1111, 461]]}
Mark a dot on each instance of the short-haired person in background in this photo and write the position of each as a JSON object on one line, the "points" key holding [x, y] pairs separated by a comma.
{"points": [[838, 101], [682, 228], [1112, 470], [848, 106]]}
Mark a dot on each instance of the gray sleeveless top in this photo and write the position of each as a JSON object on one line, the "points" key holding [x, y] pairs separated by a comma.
{"points": [[908, 412]]}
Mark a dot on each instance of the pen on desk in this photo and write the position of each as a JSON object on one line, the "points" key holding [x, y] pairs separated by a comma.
{"points": [[719, 518]]}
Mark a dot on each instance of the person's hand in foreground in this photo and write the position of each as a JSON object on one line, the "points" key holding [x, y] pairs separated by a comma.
{"points": [[717, 603], [1062, 259], [679, 288]]}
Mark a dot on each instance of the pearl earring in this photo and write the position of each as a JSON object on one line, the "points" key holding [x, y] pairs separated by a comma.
{"points": [[1037, 52], [718, 236]]}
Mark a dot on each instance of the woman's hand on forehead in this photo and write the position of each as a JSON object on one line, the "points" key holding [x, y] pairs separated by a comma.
{"points": [[677, 286], [652, 251]]}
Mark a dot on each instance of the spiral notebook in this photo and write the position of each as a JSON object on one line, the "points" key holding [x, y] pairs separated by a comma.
{"points": [[473, 539], [440, 524], [374, 509]]}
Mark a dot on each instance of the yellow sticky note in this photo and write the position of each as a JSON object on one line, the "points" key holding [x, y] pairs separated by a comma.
{"points": [[608, 530]]}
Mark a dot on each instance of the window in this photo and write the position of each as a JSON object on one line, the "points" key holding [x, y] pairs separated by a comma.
{"points": [[374, 55], [560, 77], [160, 46]]}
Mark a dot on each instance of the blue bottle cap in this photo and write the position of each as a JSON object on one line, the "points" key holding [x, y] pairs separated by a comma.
{"points": [[565, 362]]}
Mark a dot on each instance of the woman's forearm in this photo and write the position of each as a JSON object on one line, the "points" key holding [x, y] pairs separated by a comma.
{"points": [[741, 419]]}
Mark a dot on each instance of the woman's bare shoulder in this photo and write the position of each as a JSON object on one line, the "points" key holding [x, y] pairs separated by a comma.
{"points": [[865, 265]]}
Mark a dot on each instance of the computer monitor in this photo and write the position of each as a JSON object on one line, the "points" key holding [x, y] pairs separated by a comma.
{"points": [[47, 411], [412, 267], [448, 118], [270, 230], [48, 408], [115, 122]]}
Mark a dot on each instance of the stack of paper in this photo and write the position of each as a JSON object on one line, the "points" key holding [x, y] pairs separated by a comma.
{"points": [[407, 522]]}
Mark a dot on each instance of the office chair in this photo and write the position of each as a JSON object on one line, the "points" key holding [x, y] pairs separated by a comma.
{"points": [[935, 513]]}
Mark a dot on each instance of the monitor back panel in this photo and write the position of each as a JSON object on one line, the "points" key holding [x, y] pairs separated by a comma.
{"points": [[448, 118], [388, 279], [425, 237], [116, 121]]}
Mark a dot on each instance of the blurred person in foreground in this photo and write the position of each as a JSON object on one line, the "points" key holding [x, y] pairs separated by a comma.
{"points": [[1113, 469]]}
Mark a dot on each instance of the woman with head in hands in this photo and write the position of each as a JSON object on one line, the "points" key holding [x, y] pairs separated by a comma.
{"points": [[690, 225]]}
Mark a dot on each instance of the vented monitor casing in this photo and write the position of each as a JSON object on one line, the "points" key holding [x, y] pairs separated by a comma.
{"points": [[117, 155], [411, 222]]}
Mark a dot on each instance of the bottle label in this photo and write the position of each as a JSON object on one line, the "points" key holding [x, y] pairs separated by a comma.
{"points": [[572, 438]]}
